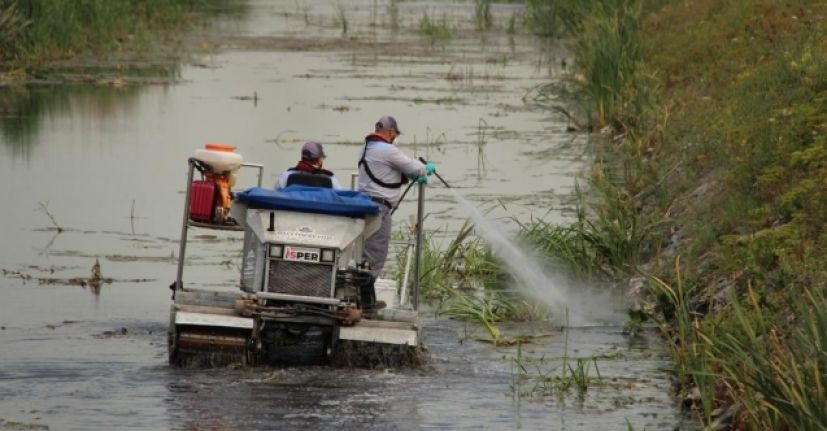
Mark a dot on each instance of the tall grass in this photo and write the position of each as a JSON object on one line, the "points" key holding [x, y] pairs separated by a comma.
{"points": [[543, 17], [681, 326], [465, 282], [12, 24], [778, 373], [52, 29], [605, 240], [607, 51], [608, 54], [774, 367], [723, 107]]}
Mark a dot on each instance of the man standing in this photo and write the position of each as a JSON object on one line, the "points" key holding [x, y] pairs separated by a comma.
{"points": [[383, 169], [309, 170]]}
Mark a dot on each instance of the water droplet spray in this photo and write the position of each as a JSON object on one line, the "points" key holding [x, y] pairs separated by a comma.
{"points": [[532, 276]]}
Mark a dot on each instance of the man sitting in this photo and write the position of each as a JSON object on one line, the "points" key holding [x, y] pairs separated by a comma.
{"points": [[309, 171]]}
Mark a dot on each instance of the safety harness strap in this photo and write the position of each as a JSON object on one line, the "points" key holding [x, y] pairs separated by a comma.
{"points": [[363, 162]]}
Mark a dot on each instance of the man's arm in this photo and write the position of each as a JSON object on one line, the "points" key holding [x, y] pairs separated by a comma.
{"points": [[405, 164]]}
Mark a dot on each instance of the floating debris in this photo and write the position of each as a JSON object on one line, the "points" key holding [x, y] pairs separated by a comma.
{"points": [[21, 426]]}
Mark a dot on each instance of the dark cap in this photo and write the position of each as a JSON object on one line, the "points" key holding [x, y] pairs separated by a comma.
{"points": [[312, 150], [387, 122]]}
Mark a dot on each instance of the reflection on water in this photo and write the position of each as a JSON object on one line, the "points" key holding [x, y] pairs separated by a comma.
{"points": [[23, 109]]}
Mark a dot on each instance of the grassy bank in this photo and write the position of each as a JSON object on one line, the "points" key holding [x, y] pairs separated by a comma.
{"points": [[711, 188], [34, 32]]}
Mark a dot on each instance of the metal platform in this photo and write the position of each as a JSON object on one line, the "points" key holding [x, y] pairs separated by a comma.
{"points": [[378, 331]]}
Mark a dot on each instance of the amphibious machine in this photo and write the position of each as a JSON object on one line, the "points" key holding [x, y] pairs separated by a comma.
{"points": [[304, 295]]}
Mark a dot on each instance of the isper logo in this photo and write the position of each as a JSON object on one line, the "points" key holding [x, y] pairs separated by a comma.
{"points": [[301, 255]]}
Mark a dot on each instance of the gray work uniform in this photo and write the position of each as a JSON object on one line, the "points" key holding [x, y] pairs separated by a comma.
{"points": [[387, 163]]}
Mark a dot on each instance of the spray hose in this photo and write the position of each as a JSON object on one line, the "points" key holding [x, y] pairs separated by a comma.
{"points": [[437, 175], [393, 210]]}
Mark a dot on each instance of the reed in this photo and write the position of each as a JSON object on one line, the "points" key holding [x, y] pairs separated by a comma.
{"points": [[393, 14], [542, 17], [606, 238], [779, 374], [466, 282], [573, 373], [35, 30], [681, 326], [434, 30], [607, 51], [341, 17], [485, 310], [482, 14], [725, 140], [12, 24]]}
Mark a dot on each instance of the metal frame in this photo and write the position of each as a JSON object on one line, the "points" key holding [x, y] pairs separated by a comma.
{"points": [[298, 298], [182, 247], [420, 215]]}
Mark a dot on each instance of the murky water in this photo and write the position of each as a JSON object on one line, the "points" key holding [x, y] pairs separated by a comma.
{"points": [[107, 164]]}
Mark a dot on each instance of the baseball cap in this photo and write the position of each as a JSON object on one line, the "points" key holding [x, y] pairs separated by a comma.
{"points": [[388, 122], [312, 150]]}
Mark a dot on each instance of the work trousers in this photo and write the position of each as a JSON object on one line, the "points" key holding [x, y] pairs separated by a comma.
{"points": [[376, 246]]}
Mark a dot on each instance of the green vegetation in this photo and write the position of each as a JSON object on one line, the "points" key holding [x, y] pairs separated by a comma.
{"points": [[434, 30], [605, 240], [464, 281], [33, 31], [574, 373], [482, 14], [607, 52], [711, 177], [341, 17]]}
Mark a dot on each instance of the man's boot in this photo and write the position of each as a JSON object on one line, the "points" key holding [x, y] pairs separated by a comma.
{"points": [[368, 299]]}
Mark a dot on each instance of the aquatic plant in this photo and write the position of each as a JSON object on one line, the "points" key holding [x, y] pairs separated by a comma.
{"points": [[481, 142], [512, 24], [434, 30], [393, 14], [464, 261], [45, 208], [606, 238], [341, 17], [482, 14], [607, 51], [465, 282], [486, 310], [542, 17], [630, 427], [543, 382]]}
